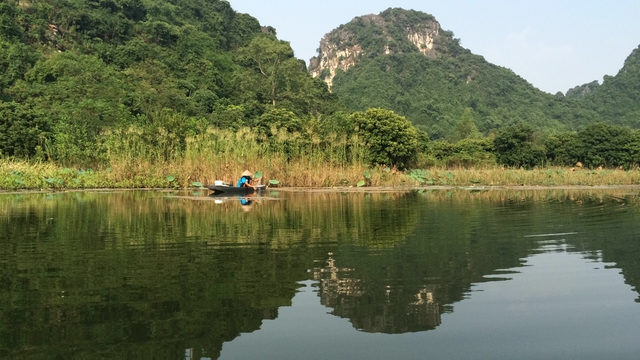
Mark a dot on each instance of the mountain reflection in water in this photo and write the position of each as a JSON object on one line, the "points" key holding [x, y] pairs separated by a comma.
{"points": [[146, 275]]}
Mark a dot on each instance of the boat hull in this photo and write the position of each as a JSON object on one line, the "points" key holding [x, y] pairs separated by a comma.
{"points": [[233, 190]]}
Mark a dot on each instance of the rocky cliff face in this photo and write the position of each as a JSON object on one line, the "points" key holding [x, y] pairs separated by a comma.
{"points": [[394, 31], [424, 40], [332, 58]]}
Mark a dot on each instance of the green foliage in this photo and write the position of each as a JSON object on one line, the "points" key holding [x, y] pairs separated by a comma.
{"points": [[465, 153], [9, 27], [633, 147], [605, 145], [616, 100], [434, 91], [434, 94], [275, 119], [230, 116], [514, 146], [275, 77], [579, 92], [23, 130], [269, 61], [87, 69], [563, 149], [421, 176], [15, 60], [158, 139], [325, 73], [387, 32], [73, 143], [85, 81], [466, 128], [596, 145], [391, 138]]}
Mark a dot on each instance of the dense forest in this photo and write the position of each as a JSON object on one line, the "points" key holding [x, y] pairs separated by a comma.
{"points": [[69, 70], [120, 83]]}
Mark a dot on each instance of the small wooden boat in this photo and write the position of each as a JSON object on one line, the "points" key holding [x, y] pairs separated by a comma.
{"points": [[234, 190]]}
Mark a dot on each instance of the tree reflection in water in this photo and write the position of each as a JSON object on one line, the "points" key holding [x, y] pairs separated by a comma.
{"points": [[146, 275]]}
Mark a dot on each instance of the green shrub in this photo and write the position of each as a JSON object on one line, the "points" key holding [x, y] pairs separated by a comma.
{"points": [[563, 149], [514, 146], [391, 138], [605, 145]]}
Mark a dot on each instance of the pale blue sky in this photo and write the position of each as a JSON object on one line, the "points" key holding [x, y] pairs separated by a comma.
{"points": [[555, 45]]}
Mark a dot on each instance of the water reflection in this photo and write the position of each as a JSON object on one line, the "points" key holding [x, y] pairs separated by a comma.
{"points": [[375, 307], [148, 274]]}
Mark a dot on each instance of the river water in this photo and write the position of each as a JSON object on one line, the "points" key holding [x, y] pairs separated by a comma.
{"points": [[446, 274]]}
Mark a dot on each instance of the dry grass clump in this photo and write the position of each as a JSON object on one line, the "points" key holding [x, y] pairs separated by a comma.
{"points": [[537, 177]]}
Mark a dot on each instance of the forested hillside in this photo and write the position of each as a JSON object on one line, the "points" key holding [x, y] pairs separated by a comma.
{"points": [[71, 70], [434, 83], [617, 100]]}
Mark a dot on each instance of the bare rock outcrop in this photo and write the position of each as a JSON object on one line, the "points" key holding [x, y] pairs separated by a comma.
{"points": [[391, 32]]}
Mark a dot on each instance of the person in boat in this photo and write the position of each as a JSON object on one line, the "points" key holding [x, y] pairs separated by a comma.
{"points": [[246, 180]]}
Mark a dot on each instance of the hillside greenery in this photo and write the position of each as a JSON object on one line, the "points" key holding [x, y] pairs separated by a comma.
{"points": [[435, 94], [72, 71], [616, 101]]}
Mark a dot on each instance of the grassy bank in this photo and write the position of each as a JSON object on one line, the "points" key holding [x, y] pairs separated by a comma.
{"points": [[138, 157], [16, 175]]}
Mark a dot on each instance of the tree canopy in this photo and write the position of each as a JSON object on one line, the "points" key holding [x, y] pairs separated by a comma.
{"points": [[96, 64], [391, 138]]}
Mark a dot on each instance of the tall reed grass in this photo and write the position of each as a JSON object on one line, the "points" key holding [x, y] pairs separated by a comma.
{"points": [[215, 154], [154, 157]]}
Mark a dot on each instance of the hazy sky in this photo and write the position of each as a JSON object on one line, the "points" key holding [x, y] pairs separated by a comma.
{"points": [[554, 44]]}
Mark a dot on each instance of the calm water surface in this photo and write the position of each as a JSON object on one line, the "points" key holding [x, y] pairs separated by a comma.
{"points": [[431, 275]]}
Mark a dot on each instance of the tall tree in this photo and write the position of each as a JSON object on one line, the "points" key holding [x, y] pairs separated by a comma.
{"points": [[466, 128], [272, 67]]}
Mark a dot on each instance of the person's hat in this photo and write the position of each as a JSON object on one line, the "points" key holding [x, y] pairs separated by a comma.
{"points": [[247, 173]]}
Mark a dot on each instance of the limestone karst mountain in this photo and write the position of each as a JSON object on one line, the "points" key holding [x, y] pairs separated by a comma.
{"points": [[405, 61], [392, 32]]}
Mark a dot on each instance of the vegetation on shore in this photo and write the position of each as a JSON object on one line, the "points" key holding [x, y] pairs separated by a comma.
{"points": [[166, 94], [25, 176]]}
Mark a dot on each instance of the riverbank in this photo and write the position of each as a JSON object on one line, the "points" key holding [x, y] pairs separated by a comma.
{"points": [[15, 175], [393, 189]]}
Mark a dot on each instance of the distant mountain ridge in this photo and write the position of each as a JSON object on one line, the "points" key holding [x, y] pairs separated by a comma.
{"points": [[618, 98]]}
